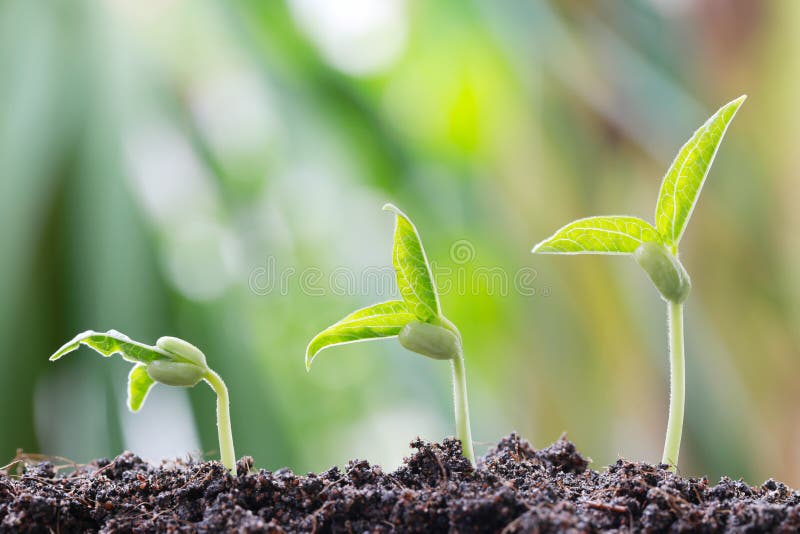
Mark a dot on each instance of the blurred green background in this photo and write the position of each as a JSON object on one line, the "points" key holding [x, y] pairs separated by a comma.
{"points": [[165, 165]]}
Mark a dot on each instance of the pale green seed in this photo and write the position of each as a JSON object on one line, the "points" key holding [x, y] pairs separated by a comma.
{"points": [[430, 340], [665, 270], [184, 349], [175, 373]]}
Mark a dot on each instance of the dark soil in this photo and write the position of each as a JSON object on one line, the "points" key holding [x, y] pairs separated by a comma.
{"points": [[514, 489]]}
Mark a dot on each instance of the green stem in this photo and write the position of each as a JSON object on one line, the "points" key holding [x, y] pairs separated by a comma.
{"points": [[672, 443], [463, 430], [226, 453]]}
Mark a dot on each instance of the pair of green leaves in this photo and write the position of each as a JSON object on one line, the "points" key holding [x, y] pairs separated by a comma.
{"points": [[654, 247], [677, 198], [172, 361], [416, 318]]}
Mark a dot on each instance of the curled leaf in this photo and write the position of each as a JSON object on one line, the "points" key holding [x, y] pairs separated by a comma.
{"points": [[616, 234], [687, 174], [377, 321], [414, 279], [113, 342], [139, 384]]}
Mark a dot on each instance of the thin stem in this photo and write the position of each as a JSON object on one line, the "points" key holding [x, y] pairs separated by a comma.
{"points": [[463, 430], [226, 453], [672, 443]]}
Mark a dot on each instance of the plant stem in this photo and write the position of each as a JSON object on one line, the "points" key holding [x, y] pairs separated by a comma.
{"points": [[672, 443], [463, 430], [226, 453]]}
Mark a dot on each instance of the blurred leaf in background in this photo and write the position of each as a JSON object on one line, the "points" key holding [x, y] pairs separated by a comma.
{"points": [[195, 169]]}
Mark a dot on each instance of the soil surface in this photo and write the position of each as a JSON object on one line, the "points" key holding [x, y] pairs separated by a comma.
{"points": [[514, 489]]}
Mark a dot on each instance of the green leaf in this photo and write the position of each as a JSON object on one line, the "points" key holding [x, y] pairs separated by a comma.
{"points": [[616, 234], [414, 279], [113, 342], [139, 384], [687, 174], [377, 321]]}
